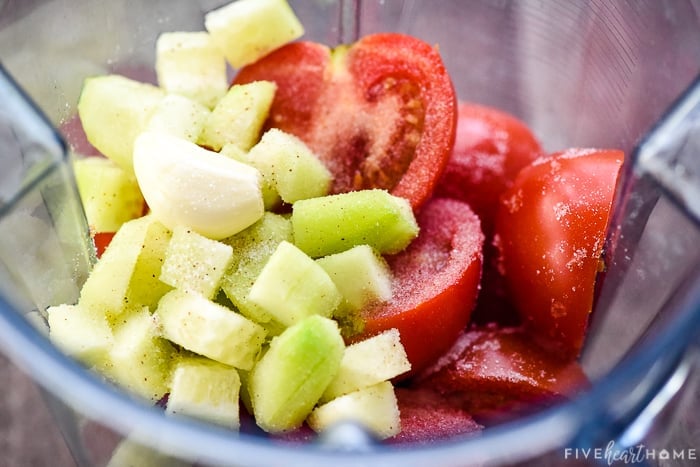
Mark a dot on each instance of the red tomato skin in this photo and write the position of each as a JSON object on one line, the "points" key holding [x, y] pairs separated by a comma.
{"points": [[550, 232], [436, 281], [491, 147], [494, 372], [380, 113]]}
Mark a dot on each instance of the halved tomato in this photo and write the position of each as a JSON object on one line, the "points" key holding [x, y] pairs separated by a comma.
{"points": [[550, 231], [436, 281], [380, 113]]}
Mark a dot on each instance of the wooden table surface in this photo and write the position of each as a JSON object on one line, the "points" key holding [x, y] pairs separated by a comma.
{"points": [[28, 435]]}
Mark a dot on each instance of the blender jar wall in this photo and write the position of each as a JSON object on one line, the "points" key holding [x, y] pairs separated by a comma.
{"points": [[590, 73]]}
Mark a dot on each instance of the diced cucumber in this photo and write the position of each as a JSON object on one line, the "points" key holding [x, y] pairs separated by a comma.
{"points": [[114, 110], [368, 362], [374, 407], [251, 250], [80, 333], [244, 393], [205, 389], [178, 116], [187, 185], [286, 161], [245, 30], [145, 286], [195, 263], [239, 116], [331, 224], [110, 195], [190, 64], [209, 329], [271, 198], [293, 286], [140, 360], [289, 379], [126, 276], [361, 274], [129, 453]]}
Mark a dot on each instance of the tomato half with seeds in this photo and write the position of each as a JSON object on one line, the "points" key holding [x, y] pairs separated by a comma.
{"points": [[550, 231], [380, 113], [436, 281]]}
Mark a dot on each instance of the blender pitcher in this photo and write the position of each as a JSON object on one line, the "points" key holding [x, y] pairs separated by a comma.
{"points": [[588, 74]]}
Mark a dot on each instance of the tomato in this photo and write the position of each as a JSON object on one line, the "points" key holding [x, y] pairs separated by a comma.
{"points": [[550, 231], [102, 240], [436, 281], [426, 416], [495, 372], [380, 113], [491, 146]]}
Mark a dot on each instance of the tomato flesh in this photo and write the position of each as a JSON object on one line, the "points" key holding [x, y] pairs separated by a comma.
{"points": [[436, 281], [550, 231], [495, 372], [102, 241], [380, 113]]}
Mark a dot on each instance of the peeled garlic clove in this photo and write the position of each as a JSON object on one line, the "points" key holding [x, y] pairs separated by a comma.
{"points": [[185, 184]]}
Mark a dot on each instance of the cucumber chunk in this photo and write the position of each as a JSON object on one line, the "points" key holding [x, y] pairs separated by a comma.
{"points": [[288, 164], [194, 262], [252, 249], [110, 195], [140, 360], [245, 30], [361, 274], [293, 286], [289, 379], [190, 64], [130, 453], [332, 224], [114, 110], [178, 116], [126, 276], [368, 362], [209, 329], [239, 116], [374, 407], [80, 333], [206, 390]]}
